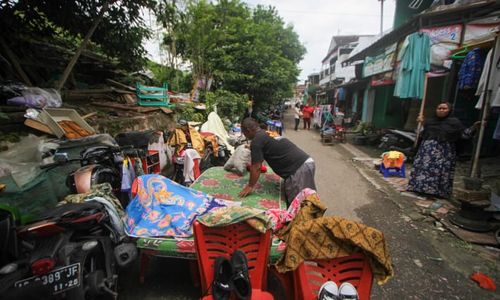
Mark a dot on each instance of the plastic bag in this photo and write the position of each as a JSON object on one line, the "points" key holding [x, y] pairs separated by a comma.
{"points": [[22, 161], [37, 97], [238, 162]]}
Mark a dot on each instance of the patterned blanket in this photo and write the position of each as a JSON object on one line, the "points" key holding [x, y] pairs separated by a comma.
{"points": [[163, 208], [221, 184]]}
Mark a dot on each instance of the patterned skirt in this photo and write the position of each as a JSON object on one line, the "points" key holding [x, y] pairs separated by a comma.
{"points": [[433, 169]]}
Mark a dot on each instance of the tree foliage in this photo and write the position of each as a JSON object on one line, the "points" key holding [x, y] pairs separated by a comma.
{"points": [[119, 35], [179, 81], [246, 51], [229, 105]]}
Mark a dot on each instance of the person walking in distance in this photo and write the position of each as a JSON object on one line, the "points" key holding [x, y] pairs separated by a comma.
{"points": [[297, 115], [285, 158], [307, 113]]}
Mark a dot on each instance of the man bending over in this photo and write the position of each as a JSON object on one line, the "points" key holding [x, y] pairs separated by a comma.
{"points": [[285, 158]]}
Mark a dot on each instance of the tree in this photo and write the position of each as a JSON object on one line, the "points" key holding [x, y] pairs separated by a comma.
{"points": [[245, 51], [119, 35], [178, 80]]}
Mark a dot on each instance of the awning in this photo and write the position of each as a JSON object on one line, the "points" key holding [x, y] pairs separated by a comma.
{"points": [[458, 15]]}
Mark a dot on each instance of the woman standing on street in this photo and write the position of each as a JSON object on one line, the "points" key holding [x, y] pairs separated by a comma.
{"points": [[307, 113], [297, 115], [434, 163]]}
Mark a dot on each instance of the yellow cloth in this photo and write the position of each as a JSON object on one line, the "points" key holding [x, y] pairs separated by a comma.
{"points": [[212, 139], [312, 236], [272, 134], [178, 138]]}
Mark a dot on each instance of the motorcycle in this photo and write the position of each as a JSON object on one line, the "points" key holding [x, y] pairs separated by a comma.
{"points": [[98, 165], [73, 251], [397, 140]]}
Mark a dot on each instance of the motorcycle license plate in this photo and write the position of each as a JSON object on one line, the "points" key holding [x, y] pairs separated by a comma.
{"points": [[58, 281]]}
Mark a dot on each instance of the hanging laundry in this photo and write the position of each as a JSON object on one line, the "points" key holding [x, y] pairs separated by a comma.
{"points": [[415, 63], [342, 94], [494, 82], [189, 156], [471, 69], [138, 169], [158, 144], [128, 175], [496, 134]]}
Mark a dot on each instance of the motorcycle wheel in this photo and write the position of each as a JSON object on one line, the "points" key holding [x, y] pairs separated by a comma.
{"points": [[93, 269]]}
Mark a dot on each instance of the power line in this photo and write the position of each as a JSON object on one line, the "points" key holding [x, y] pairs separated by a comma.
{"points": [[320, 12], [328, 13]]}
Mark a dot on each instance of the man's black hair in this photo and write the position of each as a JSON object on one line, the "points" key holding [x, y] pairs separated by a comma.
{"points": [[249, 124]]}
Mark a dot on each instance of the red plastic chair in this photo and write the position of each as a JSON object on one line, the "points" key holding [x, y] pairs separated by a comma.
{"points": [[211, 242], [310, 275]]}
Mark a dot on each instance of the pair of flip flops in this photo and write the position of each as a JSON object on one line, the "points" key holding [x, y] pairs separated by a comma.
{"points": [[231, 276], [330, 291]]}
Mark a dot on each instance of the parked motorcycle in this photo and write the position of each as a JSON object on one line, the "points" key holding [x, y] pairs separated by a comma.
{"points": [[73, 252], [402, 141], [98, 165]]}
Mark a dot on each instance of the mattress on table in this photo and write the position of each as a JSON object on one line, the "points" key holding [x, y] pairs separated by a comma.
{"points": [[223, 185]]}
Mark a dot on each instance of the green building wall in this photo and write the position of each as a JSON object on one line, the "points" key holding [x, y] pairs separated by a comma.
{"points": [[387, 112]]}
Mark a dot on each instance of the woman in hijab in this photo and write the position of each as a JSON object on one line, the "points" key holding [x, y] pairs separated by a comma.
{"points": [[434, 164]]}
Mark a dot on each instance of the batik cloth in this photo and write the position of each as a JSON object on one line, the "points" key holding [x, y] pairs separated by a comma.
{"points": [[261, 220], [311, 236], [471, 69], [433, 168], [163, 208]]}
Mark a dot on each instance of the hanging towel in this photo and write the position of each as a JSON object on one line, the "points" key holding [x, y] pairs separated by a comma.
{"points": [[415, 63]]}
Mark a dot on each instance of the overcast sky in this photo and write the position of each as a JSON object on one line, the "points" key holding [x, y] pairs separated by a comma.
{"points": [[316, 21]]}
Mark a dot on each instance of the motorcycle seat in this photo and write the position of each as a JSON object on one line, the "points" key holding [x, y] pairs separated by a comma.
{"points": [[80, 209]]}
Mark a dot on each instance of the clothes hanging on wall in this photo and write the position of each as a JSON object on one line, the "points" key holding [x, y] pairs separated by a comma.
{"points": [[342, 94], [415, 63], [494, 82], [316, 120], [496, 134], [471, 69]]}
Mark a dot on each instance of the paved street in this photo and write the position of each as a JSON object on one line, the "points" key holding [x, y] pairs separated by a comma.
{"points": [[429, 264], [421, 254]]}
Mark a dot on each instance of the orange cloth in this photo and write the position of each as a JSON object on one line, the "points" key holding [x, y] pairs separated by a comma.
{"points": [[484, 281]]}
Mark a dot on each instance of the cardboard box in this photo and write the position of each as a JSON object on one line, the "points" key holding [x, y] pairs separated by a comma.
{"points": [[50, 116]]}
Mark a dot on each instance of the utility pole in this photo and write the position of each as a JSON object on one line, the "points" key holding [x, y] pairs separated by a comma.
{"points": [[381, 16]]}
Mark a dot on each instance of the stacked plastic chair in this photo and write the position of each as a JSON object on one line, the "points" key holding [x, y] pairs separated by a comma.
{"points": [[393, 164], [211, 242], [355, 269]]}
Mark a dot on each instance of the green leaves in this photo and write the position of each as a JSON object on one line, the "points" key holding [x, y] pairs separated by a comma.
{"points": [[229, 105], [246, 51], [119, 35]]}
